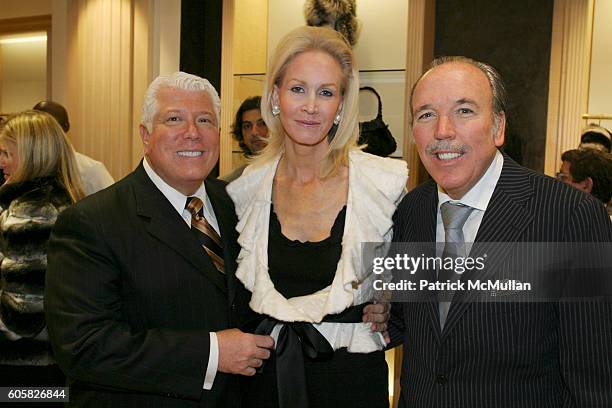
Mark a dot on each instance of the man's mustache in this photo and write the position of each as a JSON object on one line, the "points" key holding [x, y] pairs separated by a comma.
{"points": [[445, 146]]}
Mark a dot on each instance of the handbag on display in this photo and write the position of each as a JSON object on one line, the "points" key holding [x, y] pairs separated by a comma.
{"points": [[375, 133]]}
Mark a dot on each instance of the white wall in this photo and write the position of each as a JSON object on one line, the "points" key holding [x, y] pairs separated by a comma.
{"points": [[23, 79], [59, 51], [57, 9], [23, 70], [22, 95], [166, 30], [381, 44], [283, 16], [600, 87]]}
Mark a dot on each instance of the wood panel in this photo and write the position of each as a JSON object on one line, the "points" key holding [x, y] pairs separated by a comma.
{"points": [[419, 53], [107, 74], [569, 72], [227, 86], [25, 24]]}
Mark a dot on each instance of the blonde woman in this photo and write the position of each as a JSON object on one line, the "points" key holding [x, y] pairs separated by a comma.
{"points": [[40, 181], [305, 206]]}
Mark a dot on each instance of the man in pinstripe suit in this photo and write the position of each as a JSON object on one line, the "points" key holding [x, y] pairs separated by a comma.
{"points": [[138, 313], [547, 354]]}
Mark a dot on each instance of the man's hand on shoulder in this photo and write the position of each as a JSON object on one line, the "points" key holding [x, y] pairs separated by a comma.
{"points": [[242, 353]]}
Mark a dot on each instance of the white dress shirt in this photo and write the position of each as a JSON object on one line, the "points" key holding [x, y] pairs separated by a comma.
{"points": [[477, 197], [178, 201], [94, 175]]}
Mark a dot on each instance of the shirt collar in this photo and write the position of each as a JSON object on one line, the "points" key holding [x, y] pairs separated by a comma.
{"points": [[478, 197], [176, 198]]}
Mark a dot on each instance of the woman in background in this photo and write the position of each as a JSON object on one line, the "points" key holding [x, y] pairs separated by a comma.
{"points": [[305, 206], [41, 180]]}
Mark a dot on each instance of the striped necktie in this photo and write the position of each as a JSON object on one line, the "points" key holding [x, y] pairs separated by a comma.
{"points": [[206, 234], [454, 216]]}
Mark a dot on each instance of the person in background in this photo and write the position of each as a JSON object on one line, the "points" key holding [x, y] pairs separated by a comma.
{"points": [[41, 181], [305, 206], [590, 171], [94, 174], [596, 137], [250, 130]]}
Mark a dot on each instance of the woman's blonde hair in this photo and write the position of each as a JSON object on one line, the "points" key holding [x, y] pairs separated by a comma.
{"points": [[343, 137], [43, 150]]}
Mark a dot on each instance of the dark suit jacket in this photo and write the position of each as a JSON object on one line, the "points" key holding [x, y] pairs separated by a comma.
{"points": [[131, 298], [546, 354]]}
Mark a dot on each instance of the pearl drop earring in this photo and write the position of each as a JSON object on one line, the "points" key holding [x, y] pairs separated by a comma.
{"points": [[275, 110]]}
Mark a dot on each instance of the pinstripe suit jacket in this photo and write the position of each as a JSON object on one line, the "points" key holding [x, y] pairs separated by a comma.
{"points": [[507, 354], [132, 297]]}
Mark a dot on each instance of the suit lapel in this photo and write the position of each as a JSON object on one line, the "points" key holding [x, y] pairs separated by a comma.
{"points": [[421, 228], [422, 224], [166, 224], [504, 222], [227, 220]]}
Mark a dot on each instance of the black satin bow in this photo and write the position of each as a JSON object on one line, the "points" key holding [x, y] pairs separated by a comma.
{"points": [[296, 340]]}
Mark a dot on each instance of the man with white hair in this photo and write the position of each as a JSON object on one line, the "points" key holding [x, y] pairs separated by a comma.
{"points": [[141, 296]]}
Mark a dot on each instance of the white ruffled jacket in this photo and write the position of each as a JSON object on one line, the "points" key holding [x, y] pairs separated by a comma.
{"points": [[375, 187]]}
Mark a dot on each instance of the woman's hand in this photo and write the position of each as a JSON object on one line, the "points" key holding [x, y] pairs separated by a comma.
{"points": [[378, 315]]}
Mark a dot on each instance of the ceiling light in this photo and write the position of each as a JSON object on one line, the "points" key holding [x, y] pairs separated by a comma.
{"points": [[33, 38]]}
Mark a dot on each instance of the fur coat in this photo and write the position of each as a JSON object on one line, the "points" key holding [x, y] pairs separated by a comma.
{"points": [[28, 212], [339, 15]]}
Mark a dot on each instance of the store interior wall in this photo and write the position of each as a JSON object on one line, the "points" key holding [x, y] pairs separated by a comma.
{"points": [[515, 38], [23, 70], [279, 15], [260, 24], [600, 84]]}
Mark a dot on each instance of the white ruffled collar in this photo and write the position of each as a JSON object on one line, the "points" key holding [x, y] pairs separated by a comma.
{"points": [[375, 187]]}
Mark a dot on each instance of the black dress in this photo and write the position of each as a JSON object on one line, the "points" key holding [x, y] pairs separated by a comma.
{"points": [[348, 379]]}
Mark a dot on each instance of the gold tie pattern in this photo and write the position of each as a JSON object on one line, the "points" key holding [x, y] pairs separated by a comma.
{"points": [[206, 234]]}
